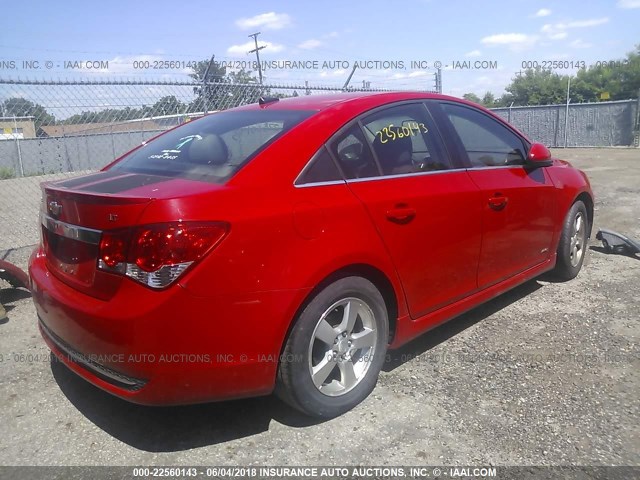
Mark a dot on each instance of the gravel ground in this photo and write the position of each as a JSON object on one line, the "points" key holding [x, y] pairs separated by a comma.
{"points": [[546, 374]]}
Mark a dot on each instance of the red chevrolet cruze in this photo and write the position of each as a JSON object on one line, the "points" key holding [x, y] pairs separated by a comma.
{"points": [[286, 245]]}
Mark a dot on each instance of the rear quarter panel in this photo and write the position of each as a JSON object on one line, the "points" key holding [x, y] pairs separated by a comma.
{"points": [[286, 240]]}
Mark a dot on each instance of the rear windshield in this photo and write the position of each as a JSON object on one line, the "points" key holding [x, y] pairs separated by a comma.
{"points": [[212, 148]]}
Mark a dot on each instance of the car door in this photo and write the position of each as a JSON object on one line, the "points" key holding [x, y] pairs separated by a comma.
{"points": [[518, 201], [426, 210]]}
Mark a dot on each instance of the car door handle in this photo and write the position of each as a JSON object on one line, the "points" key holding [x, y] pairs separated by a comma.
{"points": [[401, 214], [498, 202]]}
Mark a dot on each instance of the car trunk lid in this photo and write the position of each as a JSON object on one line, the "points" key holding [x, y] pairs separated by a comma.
{"points": [[75, 212]]}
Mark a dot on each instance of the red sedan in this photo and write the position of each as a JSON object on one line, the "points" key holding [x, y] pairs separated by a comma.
{"points": [[286, 245]]}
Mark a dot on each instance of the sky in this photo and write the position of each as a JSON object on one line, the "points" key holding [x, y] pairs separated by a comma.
{"points": [[481, 46]]}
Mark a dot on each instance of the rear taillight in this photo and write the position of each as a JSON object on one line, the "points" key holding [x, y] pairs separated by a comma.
{"points": [[156, 255], [113, 249]]}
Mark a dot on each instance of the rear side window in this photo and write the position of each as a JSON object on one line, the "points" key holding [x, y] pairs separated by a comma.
{"points": [[487, 142], [354, 155], [321, 168], [212, 148]]}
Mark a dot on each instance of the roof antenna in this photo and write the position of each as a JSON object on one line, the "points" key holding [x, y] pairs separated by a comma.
{"points": [[264, 100]]}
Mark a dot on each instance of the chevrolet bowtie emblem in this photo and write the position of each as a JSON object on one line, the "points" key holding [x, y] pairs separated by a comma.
{"points": [[55, 208]]}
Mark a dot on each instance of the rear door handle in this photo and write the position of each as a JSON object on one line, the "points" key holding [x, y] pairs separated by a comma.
{"points": [[498, 202], [401, 214]]}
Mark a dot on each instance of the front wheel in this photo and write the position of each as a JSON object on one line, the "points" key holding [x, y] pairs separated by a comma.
{"points": [[573, 242], [335, 350]]}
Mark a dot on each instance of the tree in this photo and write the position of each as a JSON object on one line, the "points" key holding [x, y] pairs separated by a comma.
{"points": [[221, 89], [472, 97], [619, 78], [244, 88], [209, 92], [167, 105], [109, 115], [21, 107], [216, 73], [537, 87], [489, 100]]}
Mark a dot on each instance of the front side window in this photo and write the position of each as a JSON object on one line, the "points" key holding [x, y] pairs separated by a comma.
{"points": [[405, 140], [212, 148], [488, 143]]}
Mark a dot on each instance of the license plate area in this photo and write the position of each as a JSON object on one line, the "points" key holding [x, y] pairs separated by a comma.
{"points": [[71, 251]]}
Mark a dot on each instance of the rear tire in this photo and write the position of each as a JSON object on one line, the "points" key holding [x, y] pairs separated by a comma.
{"points": [[335, 350], [572, 247]]}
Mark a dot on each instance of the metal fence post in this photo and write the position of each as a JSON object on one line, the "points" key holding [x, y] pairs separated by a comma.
{"points": [[556, 126], [88, 154], [637, 125], [113, 145], [566, 113], [66, 150], [15, 136]]}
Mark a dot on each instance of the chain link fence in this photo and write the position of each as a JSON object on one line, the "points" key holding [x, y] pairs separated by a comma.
{"points": [[52, 130], [602, 124]]}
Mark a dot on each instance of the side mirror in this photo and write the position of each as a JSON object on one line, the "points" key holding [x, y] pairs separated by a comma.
{"points": [[539, 156]]}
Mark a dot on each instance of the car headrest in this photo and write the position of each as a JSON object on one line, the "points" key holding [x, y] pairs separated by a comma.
{"points": [[394, 145], [208, 150], [395, 151]]}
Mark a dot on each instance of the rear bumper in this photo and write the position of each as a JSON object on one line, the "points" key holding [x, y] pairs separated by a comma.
{"points": [[72, 357], [165, 347]]}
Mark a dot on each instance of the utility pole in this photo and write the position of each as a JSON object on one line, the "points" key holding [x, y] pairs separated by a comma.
{"points": [[256, 50], [438, 82]]}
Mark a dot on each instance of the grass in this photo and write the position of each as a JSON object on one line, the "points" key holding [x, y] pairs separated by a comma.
{"points": [[6, 173]]}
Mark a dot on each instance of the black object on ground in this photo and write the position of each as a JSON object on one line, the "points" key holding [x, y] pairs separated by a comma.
{"points": [[614, 242]]}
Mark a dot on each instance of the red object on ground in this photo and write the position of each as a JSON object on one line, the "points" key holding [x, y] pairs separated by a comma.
{"points": [[14, 275]]}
